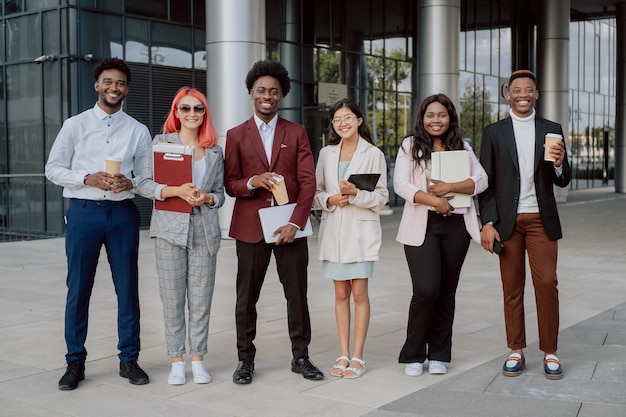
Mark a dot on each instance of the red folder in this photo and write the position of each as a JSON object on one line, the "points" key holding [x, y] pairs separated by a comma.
{"points": [[173, 164]]}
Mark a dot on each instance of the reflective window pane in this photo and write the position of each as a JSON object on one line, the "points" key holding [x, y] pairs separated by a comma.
{"points": [[152, 8], [171, 45], [51, 35], [31, 5], [137, 49], [24, 117], [100, 35], [23, 38], [111, 5], [180, 11], [199, 52], [12, 6]]}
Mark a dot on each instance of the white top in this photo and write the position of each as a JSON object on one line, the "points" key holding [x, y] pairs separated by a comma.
{"points": [[524, 130], [84, 142]]}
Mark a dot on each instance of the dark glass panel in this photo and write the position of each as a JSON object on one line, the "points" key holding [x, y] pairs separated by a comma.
{"points": [[24, 117], [100, 35], [23, 35], [111, 5], [137, 33], [51, 34], [171, 45], [180, 11], [152, 8], [199, 13], [31, 5], [12, 6], [199, 50]]}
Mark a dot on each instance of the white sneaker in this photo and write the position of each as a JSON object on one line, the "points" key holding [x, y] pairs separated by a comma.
{"points": [[436, 368], [200, 374], [177, 374], [413, 369]]}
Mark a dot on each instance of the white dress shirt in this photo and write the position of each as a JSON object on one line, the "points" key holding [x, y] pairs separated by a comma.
{"points": [[83, 144]]}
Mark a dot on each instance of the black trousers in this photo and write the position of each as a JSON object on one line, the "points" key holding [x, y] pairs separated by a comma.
{"points": [[435, 268], [291, 263]]}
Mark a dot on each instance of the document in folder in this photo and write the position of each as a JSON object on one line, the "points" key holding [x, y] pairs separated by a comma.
{"points": [[365, 182], [173, 164], [452, 166], [276, 216]]}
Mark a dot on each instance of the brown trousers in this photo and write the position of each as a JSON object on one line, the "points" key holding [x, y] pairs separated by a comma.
{"points": [[530, 236]]}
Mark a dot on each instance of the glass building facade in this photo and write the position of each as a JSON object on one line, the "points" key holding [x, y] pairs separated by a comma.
{"points": [[48, 49]]}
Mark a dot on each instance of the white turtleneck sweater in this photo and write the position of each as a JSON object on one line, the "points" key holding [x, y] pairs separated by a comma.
{"points": [[524, 130]]}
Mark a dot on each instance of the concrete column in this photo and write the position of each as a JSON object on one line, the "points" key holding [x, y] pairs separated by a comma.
{"points": [[620, 111], [439, 25], [235, 40], [553, 68], [290, 107]]}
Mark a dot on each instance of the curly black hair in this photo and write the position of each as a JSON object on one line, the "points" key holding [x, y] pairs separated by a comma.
{"points": [[271, 68], [111, 63]]}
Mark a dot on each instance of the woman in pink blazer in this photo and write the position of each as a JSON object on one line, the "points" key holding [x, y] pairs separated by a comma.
{"points": [[435, 234], [350, 234]]}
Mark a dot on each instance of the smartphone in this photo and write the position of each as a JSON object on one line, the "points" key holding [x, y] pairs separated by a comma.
{"points": [[497, 247]]}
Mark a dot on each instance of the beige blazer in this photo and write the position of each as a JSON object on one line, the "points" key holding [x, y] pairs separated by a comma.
{"points": [[351, 233], [409, 179]]}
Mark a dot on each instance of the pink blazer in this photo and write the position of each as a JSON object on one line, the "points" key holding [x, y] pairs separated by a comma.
{"points": [[409, 179]]}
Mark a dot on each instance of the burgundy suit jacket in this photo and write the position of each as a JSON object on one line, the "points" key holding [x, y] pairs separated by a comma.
{"points": [[245, 157]]}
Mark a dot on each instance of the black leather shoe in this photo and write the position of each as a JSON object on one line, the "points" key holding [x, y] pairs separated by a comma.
{"points": [[305, 367], [74, 373], [243, 373], [134, 373]]}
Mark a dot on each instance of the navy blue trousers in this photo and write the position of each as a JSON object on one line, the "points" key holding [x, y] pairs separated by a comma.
{"points": [[89, 225]]}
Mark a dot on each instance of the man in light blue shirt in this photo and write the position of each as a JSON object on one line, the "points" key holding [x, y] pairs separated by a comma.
{"points": [[101, 211]]}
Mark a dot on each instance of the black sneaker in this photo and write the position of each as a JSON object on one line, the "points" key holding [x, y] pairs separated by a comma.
{"points": [[74, 373], [133, 372]]}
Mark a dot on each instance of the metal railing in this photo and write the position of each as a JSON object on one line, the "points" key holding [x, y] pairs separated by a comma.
{"points": [[25, 206]]}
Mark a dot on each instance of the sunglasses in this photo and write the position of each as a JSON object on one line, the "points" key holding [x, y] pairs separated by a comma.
{"points": [[197, 109]]}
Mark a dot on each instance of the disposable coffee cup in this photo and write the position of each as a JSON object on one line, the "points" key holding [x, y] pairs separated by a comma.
{"points": [[113, 165], [551, 139], [280, 191]]}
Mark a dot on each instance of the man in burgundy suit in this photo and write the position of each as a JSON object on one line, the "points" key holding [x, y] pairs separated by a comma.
{"points": [[256, 151]]}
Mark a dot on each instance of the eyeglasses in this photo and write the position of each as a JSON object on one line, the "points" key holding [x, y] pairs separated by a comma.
{"points": [[348, 120], [197, 109]]}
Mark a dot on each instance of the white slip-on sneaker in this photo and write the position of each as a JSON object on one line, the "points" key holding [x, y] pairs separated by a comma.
{"points": [[436, 368], [414, 369], [200, 374], [177, 374]]}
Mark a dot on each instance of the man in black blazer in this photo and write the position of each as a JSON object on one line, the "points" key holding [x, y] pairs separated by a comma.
{"points": [[519, 209]]}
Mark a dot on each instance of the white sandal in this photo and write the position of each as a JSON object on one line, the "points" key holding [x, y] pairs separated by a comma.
{"points": [[356, 372], [338, 370]]}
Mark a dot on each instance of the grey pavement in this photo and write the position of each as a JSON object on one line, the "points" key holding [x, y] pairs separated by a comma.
{"points": [[592, 282]]}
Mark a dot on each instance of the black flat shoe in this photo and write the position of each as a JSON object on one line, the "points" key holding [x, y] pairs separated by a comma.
{"points": [[133, 372], [74, 373], [305, 367], [243, 373]]}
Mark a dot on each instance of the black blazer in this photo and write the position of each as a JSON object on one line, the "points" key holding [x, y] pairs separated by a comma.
{"points": [[498, 155]]}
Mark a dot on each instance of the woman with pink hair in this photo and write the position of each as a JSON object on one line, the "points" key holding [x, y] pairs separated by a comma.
{"points": [[186, 244]]}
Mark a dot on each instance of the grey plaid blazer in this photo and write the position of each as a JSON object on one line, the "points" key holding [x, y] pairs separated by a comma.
{"points": [[173, 226]]}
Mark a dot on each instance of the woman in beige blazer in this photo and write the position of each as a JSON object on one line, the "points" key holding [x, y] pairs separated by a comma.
{"points": [[350, 234], [186, 244], [436, 235]]}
